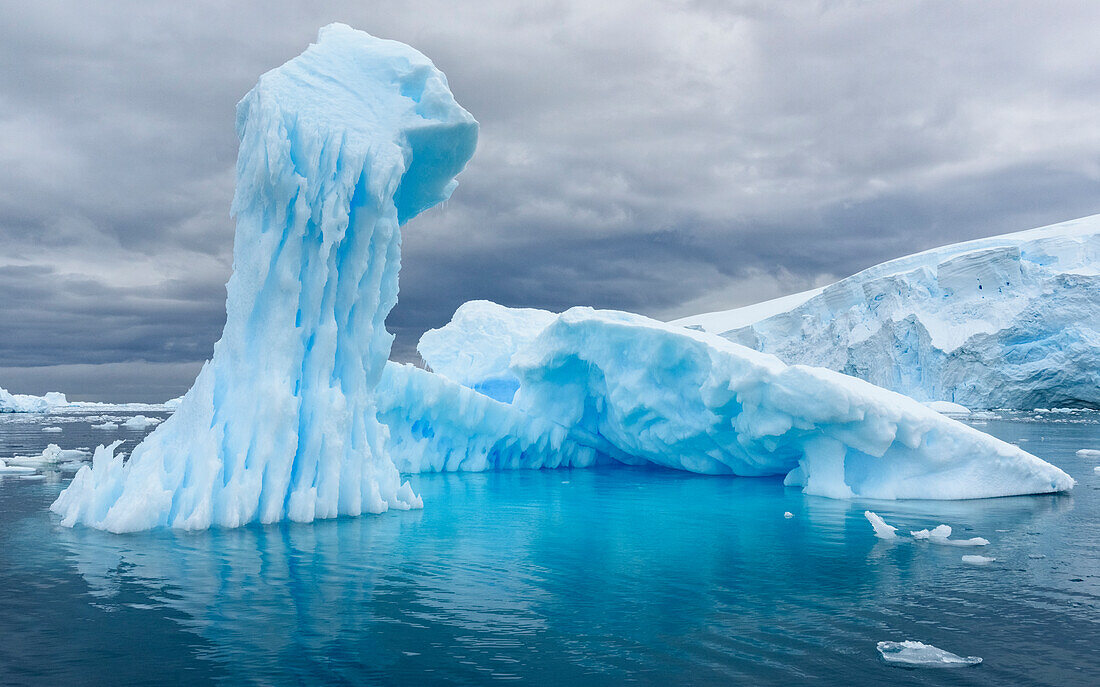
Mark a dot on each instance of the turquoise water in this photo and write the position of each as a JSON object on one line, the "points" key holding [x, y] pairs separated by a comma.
{"points": [[605, 576]]}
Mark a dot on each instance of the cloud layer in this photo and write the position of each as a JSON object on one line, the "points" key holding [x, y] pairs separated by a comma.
{"points": [[660, 157]]}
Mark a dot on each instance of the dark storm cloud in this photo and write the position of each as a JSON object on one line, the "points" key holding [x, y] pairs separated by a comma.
{"points": [[663, 157]]}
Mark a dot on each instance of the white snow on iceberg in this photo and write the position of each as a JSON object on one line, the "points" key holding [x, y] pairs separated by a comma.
{"points": [[339, 147], [1010, 321]]}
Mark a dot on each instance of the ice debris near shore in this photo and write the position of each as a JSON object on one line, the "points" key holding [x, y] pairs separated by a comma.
{"points": [[921, 655], [339, 147], [641, 391], [25, 403], [1010, 321]]}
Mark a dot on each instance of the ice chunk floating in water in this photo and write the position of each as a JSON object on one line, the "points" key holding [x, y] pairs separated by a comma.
{"points": [[921, 655], [338, 147], [882, 530]]}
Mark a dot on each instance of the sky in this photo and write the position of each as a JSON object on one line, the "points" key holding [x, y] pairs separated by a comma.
{"points": [[665, 158]]}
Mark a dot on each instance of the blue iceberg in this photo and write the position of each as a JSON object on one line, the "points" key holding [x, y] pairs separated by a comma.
{"points": [[339, 147], [639, 391]]}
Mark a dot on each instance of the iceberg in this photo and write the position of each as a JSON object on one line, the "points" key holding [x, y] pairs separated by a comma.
{"points": [[639, 391], [25, 403], [921, 655], [436, 425], [475, 348], [339, 147], [1011, 321]]}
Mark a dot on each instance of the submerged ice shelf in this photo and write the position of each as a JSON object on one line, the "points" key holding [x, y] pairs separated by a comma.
{"points": [[338, 148]]}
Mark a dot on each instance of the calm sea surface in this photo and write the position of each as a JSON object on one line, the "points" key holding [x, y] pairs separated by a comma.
{"points": [[563, 577]]}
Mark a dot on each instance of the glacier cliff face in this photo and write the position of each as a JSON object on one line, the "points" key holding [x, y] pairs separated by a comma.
{"points": [[638, 391], [339, 147], [1010, 321]]}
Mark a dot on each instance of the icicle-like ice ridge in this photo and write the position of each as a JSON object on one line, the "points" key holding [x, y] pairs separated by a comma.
{"points": [[339, 147]]}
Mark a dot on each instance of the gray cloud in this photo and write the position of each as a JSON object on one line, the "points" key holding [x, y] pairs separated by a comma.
{"points": [[650, 156]]}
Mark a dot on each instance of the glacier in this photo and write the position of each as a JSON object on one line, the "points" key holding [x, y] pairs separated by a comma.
{"points": [[1010, 321], [339, 147], [638, 391]]}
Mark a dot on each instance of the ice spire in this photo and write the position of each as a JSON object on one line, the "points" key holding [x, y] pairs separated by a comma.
{"points": [[339, 147]]}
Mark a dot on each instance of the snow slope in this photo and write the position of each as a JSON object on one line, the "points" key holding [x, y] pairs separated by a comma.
{"points": [[339, 147], [1009, 321]]}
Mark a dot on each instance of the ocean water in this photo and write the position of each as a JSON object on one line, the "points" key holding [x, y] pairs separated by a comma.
{"points": [[587, 577]]}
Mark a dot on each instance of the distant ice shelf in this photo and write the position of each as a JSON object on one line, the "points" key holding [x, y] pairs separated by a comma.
{"points": [[25, 403], [1010, 321]]}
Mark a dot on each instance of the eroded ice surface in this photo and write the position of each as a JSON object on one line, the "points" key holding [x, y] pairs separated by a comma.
{"points": [[1010, 321], [640, 391], [436, 425], [338, 147], [923, 655], [476, 346]]}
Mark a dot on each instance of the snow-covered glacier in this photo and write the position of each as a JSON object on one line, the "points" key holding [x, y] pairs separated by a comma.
{"points": [[338, 148], [639, 391], [1011, 321]]}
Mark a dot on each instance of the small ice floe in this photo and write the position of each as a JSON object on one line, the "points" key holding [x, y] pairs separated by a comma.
{"points": [[921, 655], [1088, 453], [51, 429], [882, 530], [1036, 556], [1096, 469], [978, 560], [106, 425], [51, 455], [6, 469], [788, 515], [947, 408], [941, 534], [140, 422]]}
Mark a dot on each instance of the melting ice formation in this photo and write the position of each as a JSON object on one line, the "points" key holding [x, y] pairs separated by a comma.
{"points": [[338, 147], [1010, 321], [640, 391], [24, 403], [921, 655]]}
